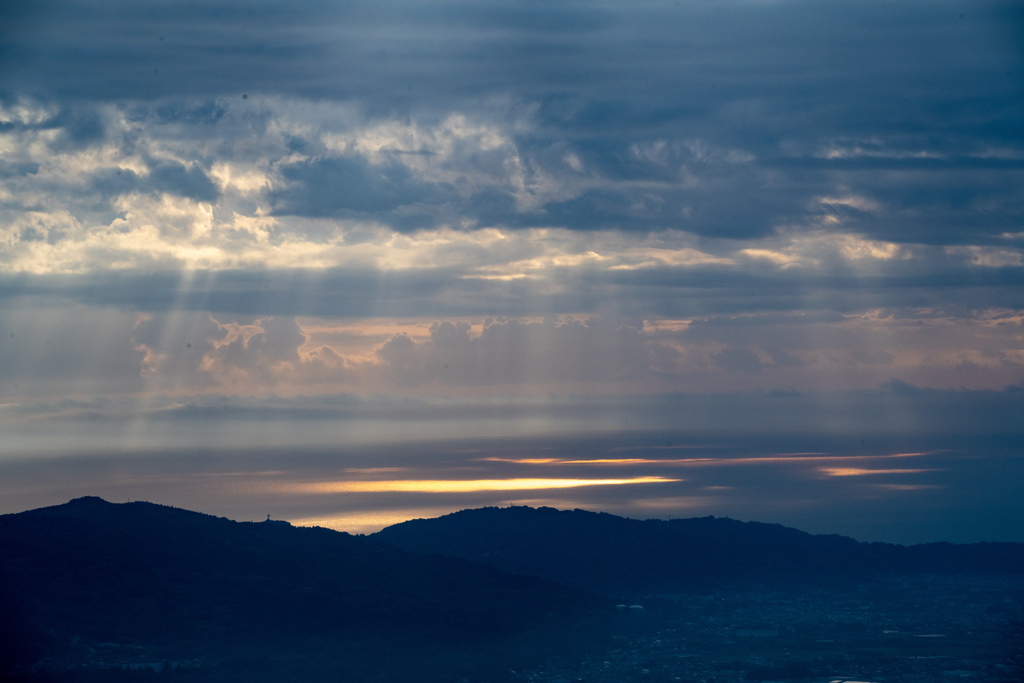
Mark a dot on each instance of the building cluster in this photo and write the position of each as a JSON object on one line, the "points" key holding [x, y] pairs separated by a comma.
{"points": [[926, 629], [919, 630], [82, 656]]}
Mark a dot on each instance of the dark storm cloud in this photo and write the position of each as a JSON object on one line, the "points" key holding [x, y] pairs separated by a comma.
{"points": [[451, 291], [80, 124], [80, 127], [926, 201], [715, 290], [86, 128], [921, 415], [916, 106], [14, 170], [164, 177], [207, 111], [348, 292], [693, 57], [175, 178], [346, 187], [708, 211]]}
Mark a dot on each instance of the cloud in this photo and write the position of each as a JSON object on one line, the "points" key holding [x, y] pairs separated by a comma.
{"points": [[251, 215], [254, 354], [349, 187], [513, 352], [180, 352], [182, 181], [468, 485], [76, 352], [518, 119], [738, 360]]}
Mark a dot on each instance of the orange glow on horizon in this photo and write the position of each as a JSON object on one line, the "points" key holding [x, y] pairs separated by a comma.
{"points": [[524, 461], [859, 472], [463, 486], [369, 521], [708, 462]]}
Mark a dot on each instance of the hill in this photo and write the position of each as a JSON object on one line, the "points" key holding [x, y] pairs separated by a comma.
{"points": [[620, 556], [96, 585]]}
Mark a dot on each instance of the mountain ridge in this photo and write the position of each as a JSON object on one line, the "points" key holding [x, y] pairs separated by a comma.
{"points": [[172, 581], [99, 591], [601, 552]]}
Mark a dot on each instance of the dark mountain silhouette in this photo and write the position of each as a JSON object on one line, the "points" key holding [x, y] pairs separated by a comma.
{"points": [[90, 589], [112, 580], [619, 556]]}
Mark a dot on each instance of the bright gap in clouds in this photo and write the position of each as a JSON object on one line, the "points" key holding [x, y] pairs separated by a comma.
{"points": [[369, 522], [860, 472], [463, 485], [965, 488], [779, 459]]}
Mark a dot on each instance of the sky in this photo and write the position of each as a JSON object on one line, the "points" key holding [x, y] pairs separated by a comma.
{"points": [[350, 263]]}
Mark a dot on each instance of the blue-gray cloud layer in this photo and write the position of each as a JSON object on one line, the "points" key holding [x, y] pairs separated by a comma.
{"points": [[724, 119], [444, 292]]}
